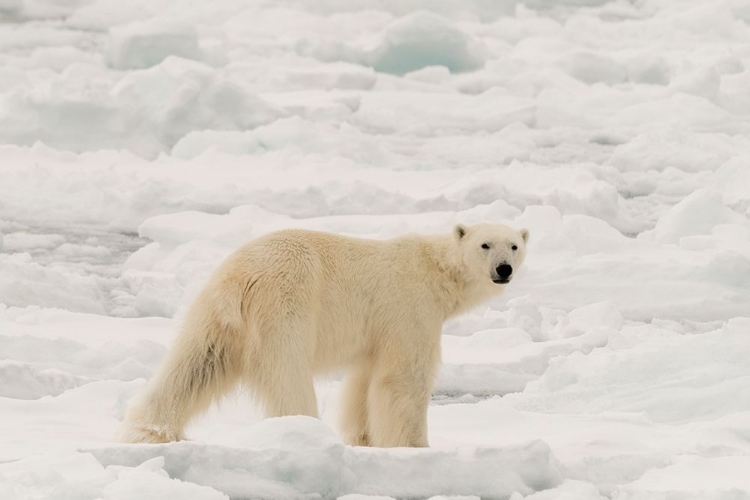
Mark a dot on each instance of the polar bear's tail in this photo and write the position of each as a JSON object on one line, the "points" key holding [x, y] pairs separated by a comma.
{"points": [[200, 368]]}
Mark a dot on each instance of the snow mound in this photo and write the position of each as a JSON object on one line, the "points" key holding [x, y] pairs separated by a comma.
{"points": [[731, 181], [144, 44], [415, 113], [469, 9], [291, 457], [601, 315], [22, 381], [20, 242], [710, 478], [425, 39], [501, 361], [180, 96], [591, 67], [486, 472], [287, 134], [699, 213], [49, 285], [40, 9], [80, 475], [732, 91], [676, 149], [706, 376], [147, 111], [646, 67], [417, 40], [332, 76], [568, 490], [481, 380], [50, 366]]}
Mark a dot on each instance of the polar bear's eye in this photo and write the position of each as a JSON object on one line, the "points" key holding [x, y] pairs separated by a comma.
{"points": [[514, 248], [486, 246]]}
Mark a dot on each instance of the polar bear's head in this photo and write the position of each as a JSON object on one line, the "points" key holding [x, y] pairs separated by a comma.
{"points": [[491, 251]]}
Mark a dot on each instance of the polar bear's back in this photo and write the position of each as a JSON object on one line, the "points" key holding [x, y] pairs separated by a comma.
{"points": [[303, 258], [339, 290]]}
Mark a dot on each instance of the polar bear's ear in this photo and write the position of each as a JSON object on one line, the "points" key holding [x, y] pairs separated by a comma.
{"points": [[524, 235], [459, 231]]}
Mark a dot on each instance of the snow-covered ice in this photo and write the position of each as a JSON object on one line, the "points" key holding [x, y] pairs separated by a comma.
{"points": [[143, 141]]}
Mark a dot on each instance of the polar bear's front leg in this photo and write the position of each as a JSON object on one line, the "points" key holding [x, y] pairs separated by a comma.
{"points": [[400, 392]]}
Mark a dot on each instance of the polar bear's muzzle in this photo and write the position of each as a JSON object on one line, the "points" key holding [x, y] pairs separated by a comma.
{"points": [[503, 274]]}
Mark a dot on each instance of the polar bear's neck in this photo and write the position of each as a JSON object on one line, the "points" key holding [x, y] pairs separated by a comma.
{"points": [[455, 290]]}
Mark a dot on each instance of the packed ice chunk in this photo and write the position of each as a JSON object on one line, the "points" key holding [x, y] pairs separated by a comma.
{"points": [[732, 91], [332, 76], [149, 480], [592, 235], [646, 67], [524, 313], [281, 458], [702, 82], [147, 111], [697, 214], [731, 180], [292, 457], [600, 314], [42, 9], [287, 133], [592, 67], [690, 152], [423, 39], [101, 15], [501, 361], [570, 489], [707, 18], [704, 377], [26, 281], [24, 381], [357, 496], [22, 241], [55, 475], [719, 477], [180, 95], [554, 3], [469, 9], [11, 7], [486, 472], [143, 44], [677, 111], [75, 475], [603, 316], [547, 231]]}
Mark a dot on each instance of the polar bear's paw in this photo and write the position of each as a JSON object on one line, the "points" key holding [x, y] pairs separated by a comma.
{"points": [[134, 434]]}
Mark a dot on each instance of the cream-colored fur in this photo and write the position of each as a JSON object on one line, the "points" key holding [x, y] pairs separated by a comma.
{"points": [[295, 303]]}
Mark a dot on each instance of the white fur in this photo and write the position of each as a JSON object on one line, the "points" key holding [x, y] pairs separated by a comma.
{"points": [[295, 303]]}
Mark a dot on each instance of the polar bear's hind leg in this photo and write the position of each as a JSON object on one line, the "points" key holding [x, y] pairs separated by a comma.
{"points": [[279, 367], [200, 369]]}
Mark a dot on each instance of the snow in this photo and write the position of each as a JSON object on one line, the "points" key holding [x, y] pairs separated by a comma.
{"points": [[143, 141]]}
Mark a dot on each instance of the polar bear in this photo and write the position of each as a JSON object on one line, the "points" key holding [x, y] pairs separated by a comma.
{"points": [[295, 303]]}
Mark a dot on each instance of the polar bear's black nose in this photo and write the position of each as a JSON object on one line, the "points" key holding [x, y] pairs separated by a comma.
{"points": [[504, 270]]}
